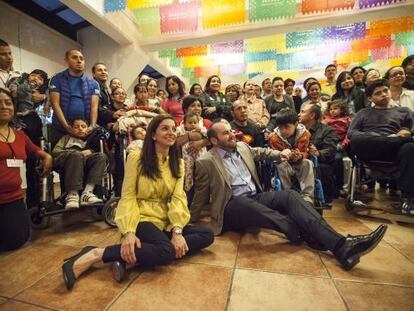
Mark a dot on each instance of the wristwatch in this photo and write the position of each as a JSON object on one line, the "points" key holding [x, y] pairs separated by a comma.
{"points": [[178, 230]]}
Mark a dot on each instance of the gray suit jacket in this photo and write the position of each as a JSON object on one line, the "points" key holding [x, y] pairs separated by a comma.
{"points": [[212, 183]]}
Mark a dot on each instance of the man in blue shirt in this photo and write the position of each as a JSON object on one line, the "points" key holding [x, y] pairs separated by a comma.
{"points": [[227, 188], [73, 95]]}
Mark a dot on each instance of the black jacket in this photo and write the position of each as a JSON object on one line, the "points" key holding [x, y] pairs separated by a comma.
{"points": [[325, 140]]}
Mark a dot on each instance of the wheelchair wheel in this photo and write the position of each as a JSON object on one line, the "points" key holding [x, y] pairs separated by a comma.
{"points": [[109, 210], [37, 221]]}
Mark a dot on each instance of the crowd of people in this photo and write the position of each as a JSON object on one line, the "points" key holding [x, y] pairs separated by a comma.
{"points": [[191, 157]]}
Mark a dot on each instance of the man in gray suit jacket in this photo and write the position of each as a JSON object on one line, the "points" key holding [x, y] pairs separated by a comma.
{"points": [[228, 190]]}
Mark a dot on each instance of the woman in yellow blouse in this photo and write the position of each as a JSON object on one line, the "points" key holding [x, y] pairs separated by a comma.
{"points": [[152, 214]]}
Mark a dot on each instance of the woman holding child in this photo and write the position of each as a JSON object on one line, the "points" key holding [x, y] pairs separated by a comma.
{"points": [[152, 214]]}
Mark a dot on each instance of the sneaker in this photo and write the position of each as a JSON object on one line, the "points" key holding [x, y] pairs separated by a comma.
{"points": [[89, 198], [72, 201], [407, 206]]}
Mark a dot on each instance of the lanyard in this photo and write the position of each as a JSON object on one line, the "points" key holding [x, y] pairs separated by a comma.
{"points": [[8, 143]]}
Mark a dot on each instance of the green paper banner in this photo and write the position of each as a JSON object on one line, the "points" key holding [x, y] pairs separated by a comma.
{"points": [[271, 9], [404, 38], [148, 21]]}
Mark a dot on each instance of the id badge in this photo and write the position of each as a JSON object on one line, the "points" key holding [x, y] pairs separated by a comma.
{"points": [[14, 163]]}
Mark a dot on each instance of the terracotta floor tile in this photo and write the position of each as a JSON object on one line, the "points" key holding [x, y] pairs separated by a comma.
{"points": [[383, 264], [222, 252], [180, 286], [348, 226], [407, 250], [257, 290], [22, 268], [95, 289], [270, 252], [362, 296], [12, 305], [338, 210], [77, 234], [396, 233]]}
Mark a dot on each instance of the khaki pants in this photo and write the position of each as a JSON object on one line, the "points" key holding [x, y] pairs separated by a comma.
{"points": [[303, 171]]}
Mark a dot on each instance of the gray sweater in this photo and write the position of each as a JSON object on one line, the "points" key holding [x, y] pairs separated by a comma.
{"points": [[380, 122]]}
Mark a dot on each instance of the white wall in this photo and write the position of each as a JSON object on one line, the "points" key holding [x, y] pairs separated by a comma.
{"points": [[34, 45]]}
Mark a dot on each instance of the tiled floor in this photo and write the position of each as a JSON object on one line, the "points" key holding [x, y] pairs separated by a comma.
{"points": [[252, 270]]}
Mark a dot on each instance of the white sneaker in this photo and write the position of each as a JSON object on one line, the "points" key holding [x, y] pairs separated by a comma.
{"points": [[89, 198], [72, 201]]}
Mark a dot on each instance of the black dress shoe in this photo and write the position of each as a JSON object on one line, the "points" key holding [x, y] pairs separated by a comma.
{"points": [[67, 267], [354, 247], [119, 270]]}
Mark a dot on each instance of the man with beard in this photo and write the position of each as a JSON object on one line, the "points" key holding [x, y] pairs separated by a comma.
{"points": [[227, 183]]}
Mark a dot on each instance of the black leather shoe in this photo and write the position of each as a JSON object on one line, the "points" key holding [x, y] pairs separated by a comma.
{"points": [[119, 270], [67, 267], [356, 246]]}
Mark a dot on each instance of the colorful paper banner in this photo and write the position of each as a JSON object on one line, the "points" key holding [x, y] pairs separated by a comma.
{"points": [[140, 4], [271, 9], [345, 32], [232, 69], [405, 38], [205, 72], [193, 51], [225, 12], [315, 6], [179, 17], [148, 21], [371, 3], [227, 47], [393, 25], [114, 5]]}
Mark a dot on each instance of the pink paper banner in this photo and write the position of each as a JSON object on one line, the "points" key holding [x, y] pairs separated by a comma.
{"points": [[227, 47], [179, 17], [387, 53], [232, 70]]}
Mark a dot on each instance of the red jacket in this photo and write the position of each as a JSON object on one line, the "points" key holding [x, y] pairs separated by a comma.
{"points": [[301, 140], [339, 124]]}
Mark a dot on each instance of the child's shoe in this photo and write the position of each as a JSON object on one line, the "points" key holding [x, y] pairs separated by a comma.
{"points": [[72, 200], [89, 198], [407, 206]]}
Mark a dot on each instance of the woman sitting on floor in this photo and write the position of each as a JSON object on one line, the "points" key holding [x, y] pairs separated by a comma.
{"points": [[152, 214]]}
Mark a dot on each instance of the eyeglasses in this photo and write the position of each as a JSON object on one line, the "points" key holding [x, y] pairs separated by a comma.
{"points": [[120, 94]]}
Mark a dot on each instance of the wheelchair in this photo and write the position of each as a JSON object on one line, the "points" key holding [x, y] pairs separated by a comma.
{"points": [[378, 170], [270, 181], [50, 205]]}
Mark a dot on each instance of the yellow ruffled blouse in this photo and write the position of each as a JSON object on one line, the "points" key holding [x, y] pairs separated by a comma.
{"points": [[161, 201]]}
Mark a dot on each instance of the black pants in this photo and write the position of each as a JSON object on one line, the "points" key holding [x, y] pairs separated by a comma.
{"points": [[14, 225], [283, 211], [156, 247], [118, 167], [34, 131], [339, 170], [326, 174], [394, 149]]}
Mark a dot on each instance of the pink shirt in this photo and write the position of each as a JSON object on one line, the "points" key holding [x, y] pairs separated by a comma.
{"points": [[175, 108]]}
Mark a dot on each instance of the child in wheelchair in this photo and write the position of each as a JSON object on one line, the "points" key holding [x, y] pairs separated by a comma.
{"points": [[80, 162], [290, 134]]}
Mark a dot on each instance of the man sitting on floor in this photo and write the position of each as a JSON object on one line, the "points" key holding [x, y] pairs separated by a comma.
{"points": [[226, 182], [383, 133]]}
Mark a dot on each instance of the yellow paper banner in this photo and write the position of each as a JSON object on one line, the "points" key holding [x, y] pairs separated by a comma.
{"points": [[268, 43], [223, 12], [197, 61], [139, 4], [266, 66]]}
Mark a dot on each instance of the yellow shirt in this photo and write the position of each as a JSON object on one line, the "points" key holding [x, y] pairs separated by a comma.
{"points": [[161, 201], [328, 88]]}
